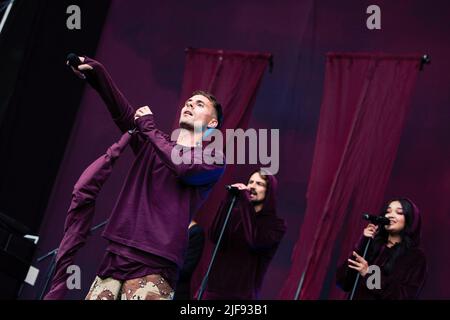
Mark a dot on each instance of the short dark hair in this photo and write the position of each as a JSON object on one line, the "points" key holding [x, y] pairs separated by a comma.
{"points": [[217, 106]]}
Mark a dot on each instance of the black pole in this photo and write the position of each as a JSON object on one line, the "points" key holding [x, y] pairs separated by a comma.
{"points": [[358, 275], [426, 59], [299, 287], [205, 278], [51, 270], [270, 63]]}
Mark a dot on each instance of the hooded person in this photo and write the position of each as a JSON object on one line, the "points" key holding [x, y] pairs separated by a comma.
{"points": [[395, 249], [250, 240]]}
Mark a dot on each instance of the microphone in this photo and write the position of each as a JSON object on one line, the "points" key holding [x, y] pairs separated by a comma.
{"points": [[377, 220], [231, 189], [73, 60]]}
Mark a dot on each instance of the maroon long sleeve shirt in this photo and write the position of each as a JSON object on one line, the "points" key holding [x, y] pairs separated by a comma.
{"points": [[149, 223]]}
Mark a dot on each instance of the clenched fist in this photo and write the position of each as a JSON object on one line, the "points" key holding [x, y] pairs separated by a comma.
{"points": [[370, 231], [81, 67], [142, 111], [240, 186]]}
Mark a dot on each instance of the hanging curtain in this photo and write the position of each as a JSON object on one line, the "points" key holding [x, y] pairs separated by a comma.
{"points": [[364, 106]]}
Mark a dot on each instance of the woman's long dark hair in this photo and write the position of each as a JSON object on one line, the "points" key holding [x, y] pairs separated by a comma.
{"points": [[381, 238]]}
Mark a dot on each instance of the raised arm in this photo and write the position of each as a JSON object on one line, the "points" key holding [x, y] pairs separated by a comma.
{"points": [[98, 77], [118, 106]]}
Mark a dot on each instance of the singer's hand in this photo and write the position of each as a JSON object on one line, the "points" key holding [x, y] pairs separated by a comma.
{"points": [[81, 67], [370, 231], [359, 264], [240, 186], [142, 111]]}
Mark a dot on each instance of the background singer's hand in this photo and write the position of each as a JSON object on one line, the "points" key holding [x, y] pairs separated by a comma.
{"points": [[359, 264], [240, 186], [370, 231]]}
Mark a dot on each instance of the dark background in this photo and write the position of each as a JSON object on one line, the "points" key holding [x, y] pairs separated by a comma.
{"points": [[50, 131]]}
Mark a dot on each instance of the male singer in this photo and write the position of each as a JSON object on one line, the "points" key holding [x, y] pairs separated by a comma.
{"points": [[147, 229]]}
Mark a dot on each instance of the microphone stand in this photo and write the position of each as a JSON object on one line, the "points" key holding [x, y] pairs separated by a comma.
{"points": [[52, 266], [358, 276], [219, 240]]}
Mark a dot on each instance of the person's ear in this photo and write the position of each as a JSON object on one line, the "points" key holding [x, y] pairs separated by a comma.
{"points": [[213, 123]]}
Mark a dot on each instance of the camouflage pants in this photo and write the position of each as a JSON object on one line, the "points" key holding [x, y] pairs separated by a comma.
{"points": [[151, 287]]}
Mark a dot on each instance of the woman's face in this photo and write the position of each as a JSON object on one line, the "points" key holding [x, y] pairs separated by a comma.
{"points": [[397, 219]]}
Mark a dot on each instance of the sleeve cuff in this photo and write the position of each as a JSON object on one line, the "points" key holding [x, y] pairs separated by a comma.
{"points": [[145, 123]]}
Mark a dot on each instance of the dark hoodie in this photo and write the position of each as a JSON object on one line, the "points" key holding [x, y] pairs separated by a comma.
{"points": [[406, 277], [249, 243]]}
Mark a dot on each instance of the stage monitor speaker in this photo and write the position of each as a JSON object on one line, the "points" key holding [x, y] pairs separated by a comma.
{"points": [[16, 254]]}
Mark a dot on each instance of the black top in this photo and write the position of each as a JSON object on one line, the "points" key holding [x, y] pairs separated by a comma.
{"points": [[193, 254]]}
